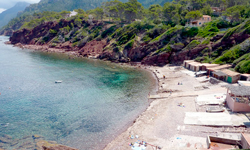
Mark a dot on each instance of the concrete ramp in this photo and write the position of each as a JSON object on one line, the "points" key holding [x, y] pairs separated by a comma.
{"points": [[215, 119], [218, 98]]}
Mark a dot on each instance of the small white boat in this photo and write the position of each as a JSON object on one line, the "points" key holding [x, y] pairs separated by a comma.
{"points": [[58, 81]]}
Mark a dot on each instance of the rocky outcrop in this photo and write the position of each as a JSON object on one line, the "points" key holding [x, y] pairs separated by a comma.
{"points": [[93, 48], [157, 60]]}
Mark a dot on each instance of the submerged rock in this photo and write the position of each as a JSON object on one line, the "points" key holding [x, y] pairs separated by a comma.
{"points": [[5, 140], [48, 145]]}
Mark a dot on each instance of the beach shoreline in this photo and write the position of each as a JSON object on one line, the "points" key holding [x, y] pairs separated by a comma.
{"points": [[74, 54], [161, 123]]}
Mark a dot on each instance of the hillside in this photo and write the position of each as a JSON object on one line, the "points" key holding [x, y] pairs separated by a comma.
{"points": [[137, 43], [153, 36], [58, 6], [8, 14]]}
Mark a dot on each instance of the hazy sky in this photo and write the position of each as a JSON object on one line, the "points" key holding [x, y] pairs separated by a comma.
{"points": [[5, 4]]}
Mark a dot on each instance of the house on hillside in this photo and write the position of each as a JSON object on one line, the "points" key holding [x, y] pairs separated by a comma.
{"points": [[72, 13], [238, 98], [216, 11], [199, 22]]}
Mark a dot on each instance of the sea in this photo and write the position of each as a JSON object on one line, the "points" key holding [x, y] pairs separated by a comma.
{"points": [[95, 102]]}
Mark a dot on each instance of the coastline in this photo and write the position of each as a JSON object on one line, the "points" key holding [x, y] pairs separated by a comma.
{"points": [[161, 124], [74, 54]]}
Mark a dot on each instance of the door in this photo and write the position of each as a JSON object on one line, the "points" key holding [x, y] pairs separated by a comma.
{"points": [[229, 79]]}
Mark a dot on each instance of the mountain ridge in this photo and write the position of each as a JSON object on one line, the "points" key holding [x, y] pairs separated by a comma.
{"points": [[12, 12]]}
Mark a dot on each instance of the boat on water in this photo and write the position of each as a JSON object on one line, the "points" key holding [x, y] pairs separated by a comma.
{"points": [[58, 81]]}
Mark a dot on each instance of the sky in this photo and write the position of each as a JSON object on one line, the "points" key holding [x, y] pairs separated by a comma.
{"points": [[6, 4]]}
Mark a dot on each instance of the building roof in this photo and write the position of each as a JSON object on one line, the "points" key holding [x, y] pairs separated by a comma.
{"points": [[188, 60], [219, 67], [230, 73], [195, 64], [246, 137], [210, 65], [219, 73], [244, 83], [239, 90], [245, 75], [206, 16]]}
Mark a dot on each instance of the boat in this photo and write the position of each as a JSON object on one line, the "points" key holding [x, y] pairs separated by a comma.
{"points": [[58, 81]]}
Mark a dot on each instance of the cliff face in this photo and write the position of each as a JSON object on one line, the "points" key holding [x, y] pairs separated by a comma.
{"points": [[52, 35], [136, 42]]}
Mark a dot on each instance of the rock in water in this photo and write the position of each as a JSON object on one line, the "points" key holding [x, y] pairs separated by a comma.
{"points": [[46, 145]]}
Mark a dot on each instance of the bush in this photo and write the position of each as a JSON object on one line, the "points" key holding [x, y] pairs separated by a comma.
{"points": [[206, 41], [153, 33], [168, 34], [229, 56], [129, 45], [208, 29], [243, 66], [244, 57], [192, 44], [51, 31], [167, 48], [189, 32], [108, 32]]}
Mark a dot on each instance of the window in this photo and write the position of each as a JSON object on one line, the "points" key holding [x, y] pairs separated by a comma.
{"points": [[208, 19], [203, 18], [199, 23]]}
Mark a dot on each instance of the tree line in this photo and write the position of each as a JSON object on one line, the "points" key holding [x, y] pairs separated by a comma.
{"points": [[172, 13], [175, 12]]}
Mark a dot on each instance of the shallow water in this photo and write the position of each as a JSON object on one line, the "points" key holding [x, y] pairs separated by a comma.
{"points": [[95, 101]]}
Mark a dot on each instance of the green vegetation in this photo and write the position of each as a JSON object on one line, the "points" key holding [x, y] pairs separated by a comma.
{"points": [[208, 30], [192, 44], [234, 53]]}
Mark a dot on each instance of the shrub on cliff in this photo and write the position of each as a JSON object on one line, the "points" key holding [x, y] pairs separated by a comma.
{"points": [[153, 33], [109, 31], [243, 63], [208, 29], [244, 57], [234, 53], [167, 48], [189, 32], [243, 66], [242, 28], [192, 44], [166, 36], [129, 45]]}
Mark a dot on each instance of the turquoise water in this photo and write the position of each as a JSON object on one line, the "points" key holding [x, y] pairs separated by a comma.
{"points": [[95, 101]]}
